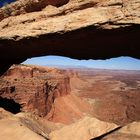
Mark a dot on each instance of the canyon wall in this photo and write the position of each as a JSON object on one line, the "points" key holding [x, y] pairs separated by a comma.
{"points": [[43, 91], [35, 89]]}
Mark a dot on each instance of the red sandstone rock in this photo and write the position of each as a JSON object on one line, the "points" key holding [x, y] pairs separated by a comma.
{"points": [[67, 95], [34, 88], [45, 92]]}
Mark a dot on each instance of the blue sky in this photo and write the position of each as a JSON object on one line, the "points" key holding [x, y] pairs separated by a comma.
{"points": [[2, 2], [127, 63]]}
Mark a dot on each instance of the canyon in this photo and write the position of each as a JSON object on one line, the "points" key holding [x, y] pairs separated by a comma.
{"points": [[45, 103], [54, 103]]}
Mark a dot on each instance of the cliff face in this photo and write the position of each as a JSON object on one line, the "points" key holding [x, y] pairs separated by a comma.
{"points": [[43, 91], [85, 29], [33, 88], [65, 96]]}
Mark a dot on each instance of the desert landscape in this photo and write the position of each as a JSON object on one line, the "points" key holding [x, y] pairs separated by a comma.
{"points": [[39, 102], [73, 103]]}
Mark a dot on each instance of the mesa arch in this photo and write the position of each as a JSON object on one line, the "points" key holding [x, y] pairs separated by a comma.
{"points": [[82, 29]]}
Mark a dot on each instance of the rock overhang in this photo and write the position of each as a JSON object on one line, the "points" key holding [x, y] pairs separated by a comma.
{"points": [[90, 29]]}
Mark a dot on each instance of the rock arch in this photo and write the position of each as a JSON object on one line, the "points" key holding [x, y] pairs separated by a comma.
{"points": [[88, 29]]}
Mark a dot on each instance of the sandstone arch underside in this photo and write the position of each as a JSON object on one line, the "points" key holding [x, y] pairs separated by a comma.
{"points": [[82, 29]]}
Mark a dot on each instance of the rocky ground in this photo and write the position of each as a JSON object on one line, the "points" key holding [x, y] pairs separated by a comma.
{"points": [[114, 95], [70, 104]]}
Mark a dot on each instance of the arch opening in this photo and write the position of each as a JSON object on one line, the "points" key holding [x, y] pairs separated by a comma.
{"points": [[118, 63]]}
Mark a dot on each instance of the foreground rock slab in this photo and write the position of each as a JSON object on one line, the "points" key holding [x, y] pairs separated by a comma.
{"points": [[85, 129], [4, 114], [21, 126], [128, 132], [16, 131]]}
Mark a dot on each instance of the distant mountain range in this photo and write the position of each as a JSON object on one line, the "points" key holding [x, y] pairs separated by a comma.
{"points": [[89, 68], [66, 66]]}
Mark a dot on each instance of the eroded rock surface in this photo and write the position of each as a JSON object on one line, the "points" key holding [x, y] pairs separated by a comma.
{"points": [[22, 126], [84, 129], [16, 131], [28, 126], [128, 132], [33, 88]]}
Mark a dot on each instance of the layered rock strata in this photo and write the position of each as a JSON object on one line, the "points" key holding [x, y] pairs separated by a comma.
{"points": [[34, 89]]}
